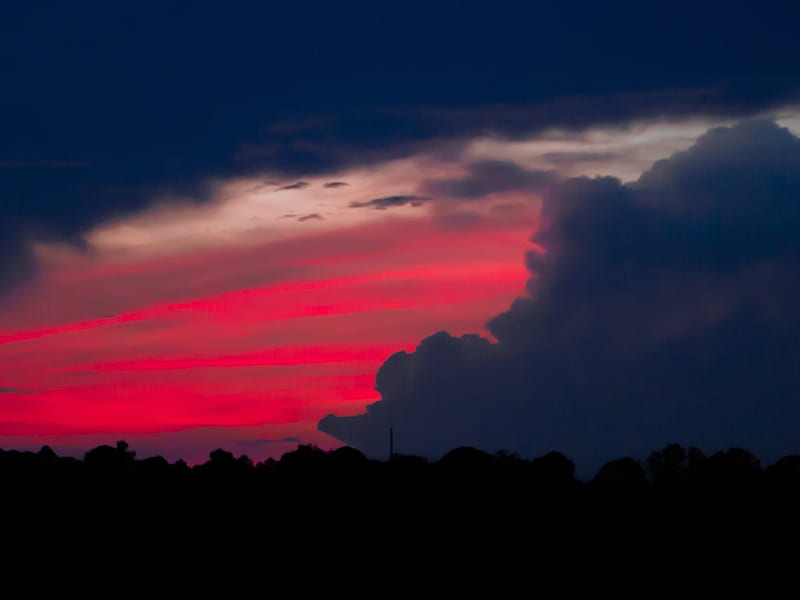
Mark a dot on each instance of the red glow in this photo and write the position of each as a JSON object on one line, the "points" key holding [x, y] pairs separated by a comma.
{"points": [[255, 336]]}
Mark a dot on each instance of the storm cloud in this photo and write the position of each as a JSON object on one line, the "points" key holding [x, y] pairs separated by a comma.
{"points": [[664, 310]]}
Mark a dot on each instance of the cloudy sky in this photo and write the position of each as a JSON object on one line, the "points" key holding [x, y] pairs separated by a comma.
{"points": [[219, 222]]}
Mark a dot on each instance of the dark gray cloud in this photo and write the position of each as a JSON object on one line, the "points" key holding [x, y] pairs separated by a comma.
{"points": [[390, 202], [309, 217], [57, 204], [489, 176], [8, 390], [568, 158], [662, 311], [299, 185], [335, 184], [348, 138]]}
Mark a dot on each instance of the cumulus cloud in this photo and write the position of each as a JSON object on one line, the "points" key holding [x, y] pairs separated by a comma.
{"points": [[390, 202], [659, 311]]}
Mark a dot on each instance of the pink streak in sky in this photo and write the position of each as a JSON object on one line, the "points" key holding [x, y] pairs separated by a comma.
{"points": [[226, 345]]}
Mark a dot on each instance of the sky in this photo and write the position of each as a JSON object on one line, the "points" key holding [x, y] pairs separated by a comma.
{"points": [[515, 227]]}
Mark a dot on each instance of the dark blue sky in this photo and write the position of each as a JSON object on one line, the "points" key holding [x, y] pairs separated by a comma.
{"points": [[166, 93]]}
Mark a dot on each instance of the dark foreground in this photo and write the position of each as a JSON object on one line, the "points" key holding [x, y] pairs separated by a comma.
{"points": [[678, 512]]}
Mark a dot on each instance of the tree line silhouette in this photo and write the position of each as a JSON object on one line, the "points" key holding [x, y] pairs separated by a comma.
{"points": [[671, 472], [478, 506]]}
